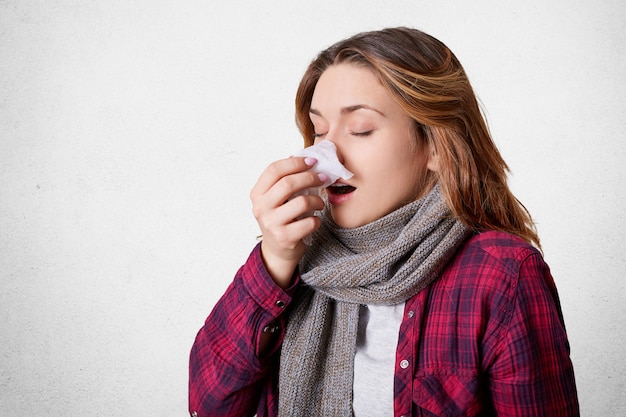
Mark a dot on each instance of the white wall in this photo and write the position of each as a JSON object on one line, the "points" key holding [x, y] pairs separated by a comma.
{"points": [[132, 131]]}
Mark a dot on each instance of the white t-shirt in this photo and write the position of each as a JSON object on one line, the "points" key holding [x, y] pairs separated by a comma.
{"points": [[374, 362]]}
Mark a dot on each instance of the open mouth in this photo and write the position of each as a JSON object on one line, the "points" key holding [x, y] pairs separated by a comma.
{"points": [[340, 189]]}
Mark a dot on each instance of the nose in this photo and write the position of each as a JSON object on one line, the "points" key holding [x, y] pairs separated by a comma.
{"points": [[334, 140]]}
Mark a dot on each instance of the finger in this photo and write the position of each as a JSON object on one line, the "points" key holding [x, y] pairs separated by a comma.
{"points": [[272, 220], [304, 227], [282, 192], [301, 206], [293, 185], [291, 235], [279, 169]]}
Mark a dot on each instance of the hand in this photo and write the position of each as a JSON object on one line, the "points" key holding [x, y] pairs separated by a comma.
{"points": [[280, 218]]}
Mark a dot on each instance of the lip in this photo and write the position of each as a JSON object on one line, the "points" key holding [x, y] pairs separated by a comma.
{"points": [[337, 198]]}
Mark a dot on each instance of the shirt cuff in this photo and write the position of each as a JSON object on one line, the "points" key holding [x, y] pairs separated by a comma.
{"points": [[262, 288]]}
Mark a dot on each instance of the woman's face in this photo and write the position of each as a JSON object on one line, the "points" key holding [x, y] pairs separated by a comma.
{"points": [[375, 140]]}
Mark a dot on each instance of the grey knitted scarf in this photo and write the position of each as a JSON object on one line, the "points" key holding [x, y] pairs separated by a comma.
{"points": [[385, 262]]}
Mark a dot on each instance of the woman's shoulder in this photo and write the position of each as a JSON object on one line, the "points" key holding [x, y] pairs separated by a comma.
{"points": [[498, 245], [492, 254], [487, 271]]}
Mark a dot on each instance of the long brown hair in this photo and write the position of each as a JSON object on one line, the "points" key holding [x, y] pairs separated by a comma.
{"points": [[429, 83]]}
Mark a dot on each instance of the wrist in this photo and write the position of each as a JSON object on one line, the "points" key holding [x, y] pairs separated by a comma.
{"points": [[280, 270]]}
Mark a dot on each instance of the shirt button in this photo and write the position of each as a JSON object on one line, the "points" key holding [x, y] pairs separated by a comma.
{"points": [[410, 314], [194, 414], [404, 364], [271, 328], [280, 304]]}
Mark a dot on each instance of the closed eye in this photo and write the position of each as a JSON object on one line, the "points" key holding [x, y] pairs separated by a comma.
{"points": [[366, 133]]}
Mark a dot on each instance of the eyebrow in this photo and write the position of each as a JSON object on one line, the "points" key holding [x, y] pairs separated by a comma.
{"points": [[350, 109]]}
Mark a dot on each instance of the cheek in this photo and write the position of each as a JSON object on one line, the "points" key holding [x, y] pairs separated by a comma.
{"points": [[368, 165], [410, 170], [384, 159]]}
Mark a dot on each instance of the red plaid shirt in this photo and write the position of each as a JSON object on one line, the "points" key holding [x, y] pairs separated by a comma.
{"points": [[487, 338]]}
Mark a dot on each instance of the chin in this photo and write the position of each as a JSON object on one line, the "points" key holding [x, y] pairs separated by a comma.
{"points": [[347, 219]]}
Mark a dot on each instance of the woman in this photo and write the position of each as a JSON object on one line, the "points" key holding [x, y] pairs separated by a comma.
{"points": [[422, 293]]}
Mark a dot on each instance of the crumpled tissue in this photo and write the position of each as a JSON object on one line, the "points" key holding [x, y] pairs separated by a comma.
{"points": [[327, 162]]}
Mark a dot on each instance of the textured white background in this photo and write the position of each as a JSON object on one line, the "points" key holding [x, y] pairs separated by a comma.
{"points": [[132, 131]]}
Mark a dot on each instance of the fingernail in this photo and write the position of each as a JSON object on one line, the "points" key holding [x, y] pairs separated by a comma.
{"points": [[310, 161], [323, 177]]}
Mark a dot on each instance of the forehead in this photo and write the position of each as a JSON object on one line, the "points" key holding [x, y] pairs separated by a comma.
{"points": [[349, 85]]}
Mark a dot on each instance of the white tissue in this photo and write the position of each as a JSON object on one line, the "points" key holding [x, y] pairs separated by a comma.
{"points": [[327, 162]]}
